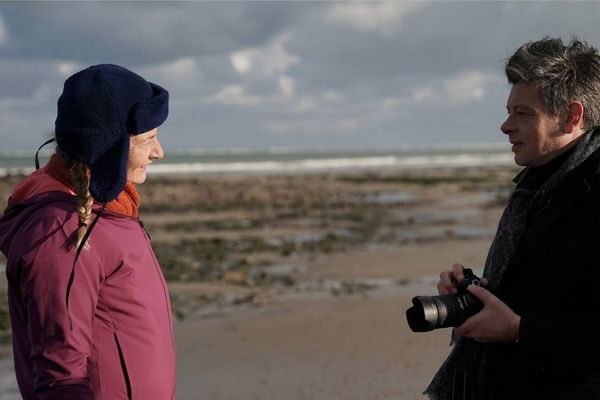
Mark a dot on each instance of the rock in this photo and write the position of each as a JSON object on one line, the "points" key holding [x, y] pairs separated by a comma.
{"points": [[237, 277]]}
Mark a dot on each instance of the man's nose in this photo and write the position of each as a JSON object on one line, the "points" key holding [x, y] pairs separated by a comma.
{"points": [[507, 126]]}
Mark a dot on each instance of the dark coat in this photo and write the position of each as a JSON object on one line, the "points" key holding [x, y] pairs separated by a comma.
{"points": [[553, 283]]}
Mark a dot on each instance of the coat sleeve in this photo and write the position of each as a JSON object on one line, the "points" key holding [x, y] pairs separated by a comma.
{"points": [[59, 353]]}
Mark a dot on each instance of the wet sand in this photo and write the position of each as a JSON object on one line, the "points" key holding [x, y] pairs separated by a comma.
{"points": [[323, 346], [296, 287]]}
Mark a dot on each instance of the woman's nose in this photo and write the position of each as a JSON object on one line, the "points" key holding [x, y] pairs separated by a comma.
{"points": [[157, 151]]}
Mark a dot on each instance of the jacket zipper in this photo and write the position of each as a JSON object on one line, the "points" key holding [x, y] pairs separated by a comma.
{"points": [[161, 278], [144, 228], [123, 367]]}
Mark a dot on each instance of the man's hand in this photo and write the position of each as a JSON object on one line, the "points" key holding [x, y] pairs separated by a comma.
{"points": [[495, 323], [446, 283]]}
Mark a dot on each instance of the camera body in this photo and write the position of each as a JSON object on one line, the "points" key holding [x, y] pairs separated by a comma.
{"points": [[449, 310]]}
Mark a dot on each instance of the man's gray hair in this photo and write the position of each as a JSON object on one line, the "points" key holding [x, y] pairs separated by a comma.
{"points": [[563, 74]]}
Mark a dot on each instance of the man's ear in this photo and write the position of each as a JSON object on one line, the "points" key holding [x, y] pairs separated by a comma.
{"points": [[574, 118]]}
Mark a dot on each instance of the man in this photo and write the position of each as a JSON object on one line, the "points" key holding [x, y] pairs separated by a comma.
{"points": [[538, 335]]}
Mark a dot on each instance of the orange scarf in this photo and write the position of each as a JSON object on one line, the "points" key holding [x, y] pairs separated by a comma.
{"points": [[55, 176]]}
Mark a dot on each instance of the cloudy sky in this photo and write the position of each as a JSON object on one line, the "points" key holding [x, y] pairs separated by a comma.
{"points": [[261, 74]]}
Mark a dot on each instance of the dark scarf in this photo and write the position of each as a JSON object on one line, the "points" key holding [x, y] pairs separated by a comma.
{"points": [[534, 187]]}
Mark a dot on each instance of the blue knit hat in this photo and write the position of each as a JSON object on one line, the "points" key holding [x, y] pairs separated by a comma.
{"points": [[99, 109]]}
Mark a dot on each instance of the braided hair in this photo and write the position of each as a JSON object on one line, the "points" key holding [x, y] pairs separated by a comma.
{"points": [[84, 201]]}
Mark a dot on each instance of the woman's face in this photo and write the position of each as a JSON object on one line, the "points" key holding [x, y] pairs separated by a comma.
{"points": [[143, 149]]}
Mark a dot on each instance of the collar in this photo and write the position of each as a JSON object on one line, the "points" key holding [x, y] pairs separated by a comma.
{"points": [[55, 176], [127, 202], [543, 172]]}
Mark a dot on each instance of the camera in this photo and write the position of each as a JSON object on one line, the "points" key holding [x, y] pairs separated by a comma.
{"points": [[449, 310]]}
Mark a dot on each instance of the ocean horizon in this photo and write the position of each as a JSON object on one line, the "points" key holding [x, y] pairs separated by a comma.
{"points": [[294, 160]]}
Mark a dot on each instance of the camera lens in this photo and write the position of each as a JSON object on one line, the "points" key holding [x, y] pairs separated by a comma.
{"points": [[426, 314], [434, 312]]}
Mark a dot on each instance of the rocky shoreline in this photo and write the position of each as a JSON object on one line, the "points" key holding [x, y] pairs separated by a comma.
{"points": [[235, 248]]}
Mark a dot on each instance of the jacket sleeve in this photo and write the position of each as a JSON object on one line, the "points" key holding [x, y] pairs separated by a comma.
{"points": [[59, 352]]}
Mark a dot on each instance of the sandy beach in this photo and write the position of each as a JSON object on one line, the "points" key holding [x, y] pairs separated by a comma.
{"points": [[295, 287], [323, 346]]}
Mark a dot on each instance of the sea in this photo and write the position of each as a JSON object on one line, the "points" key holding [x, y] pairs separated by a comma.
{"points": [[285, 160]]}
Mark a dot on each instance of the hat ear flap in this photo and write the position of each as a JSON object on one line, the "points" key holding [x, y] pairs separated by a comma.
{"points": [[109, 173]]}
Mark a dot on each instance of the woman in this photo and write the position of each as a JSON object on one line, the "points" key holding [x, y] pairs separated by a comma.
{"points": [[89, 306]]}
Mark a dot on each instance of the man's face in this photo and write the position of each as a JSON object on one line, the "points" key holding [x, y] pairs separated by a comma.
{"points": [[143, 149], [535, 134]]}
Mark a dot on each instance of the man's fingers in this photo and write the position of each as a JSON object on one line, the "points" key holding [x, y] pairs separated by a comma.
{"points": [[449, 279], [441, 288], [445, 285], [457, 271], [481, 293], [466, 329], [445, 289], [446, 277], [484, 281]]}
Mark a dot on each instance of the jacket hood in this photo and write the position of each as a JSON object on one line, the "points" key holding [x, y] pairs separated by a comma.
{"points": [[48, 184], [17, 213], [36, 191]]}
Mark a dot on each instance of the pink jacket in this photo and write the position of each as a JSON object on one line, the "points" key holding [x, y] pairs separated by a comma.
{"points": [[121, 345]]}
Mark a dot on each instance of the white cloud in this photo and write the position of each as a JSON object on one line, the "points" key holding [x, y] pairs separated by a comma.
{"points": [[383, 17], [307, 104], [266, 64], [67, 68], [467, 87], [286, 86], [181, 67], [390, 103], [242, 60], [349, 124], [464, 88], [43, 95], [313, 127], [331, 96], [234, 95], [425, 94], [3, 31], [261, 64], [182, 76], [271, 59]]}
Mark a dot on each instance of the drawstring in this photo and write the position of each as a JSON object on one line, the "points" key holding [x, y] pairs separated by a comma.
{"points": [[79, 248], [37, 160], [70, 284], [83, 240]]}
